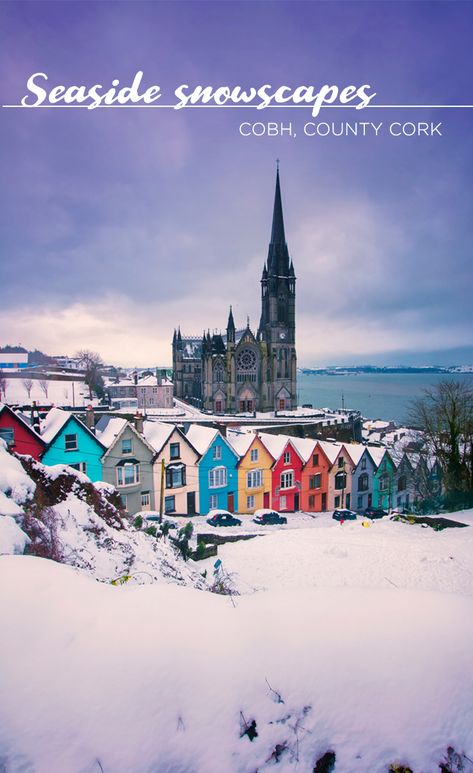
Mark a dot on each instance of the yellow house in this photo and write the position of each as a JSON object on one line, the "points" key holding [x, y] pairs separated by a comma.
{"points": [[254, 473]]}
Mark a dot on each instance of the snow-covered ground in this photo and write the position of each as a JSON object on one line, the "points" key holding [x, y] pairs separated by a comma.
{"points": [[68, 393], [346, 638]]}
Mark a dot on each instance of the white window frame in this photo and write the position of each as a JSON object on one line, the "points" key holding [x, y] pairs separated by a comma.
{"points": [[254, 478], [282, 502], [287, 479], [218, 477], [8, 435], [250, 502], [145, 500], [217, 452], [213, 501], [70, 435], [287, 457], [120, 473], [130, 441], [254, 454], [80, 467]]}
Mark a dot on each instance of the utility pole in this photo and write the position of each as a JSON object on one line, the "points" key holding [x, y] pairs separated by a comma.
{"points": [[161, 496]]}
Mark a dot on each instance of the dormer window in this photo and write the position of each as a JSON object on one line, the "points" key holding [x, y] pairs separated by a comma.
{"points": [[127, 446]]}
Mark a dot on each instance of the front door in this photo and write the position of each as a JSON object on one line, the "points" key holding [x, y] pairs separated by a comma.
{"points": [[191, 502], [266, 499], [370, 498], [348, 501], [324, 502], [296, 502], [231, 503]]}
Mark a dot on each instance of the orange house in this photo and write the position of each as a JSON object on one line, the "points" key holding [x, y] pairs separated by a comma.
{"points": [[315, 476]]}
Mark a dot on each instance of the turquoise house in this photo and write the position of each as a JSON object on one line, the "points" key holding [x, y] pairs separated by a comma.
{"points": [[70, 442], [216, 469], [384, 479]]}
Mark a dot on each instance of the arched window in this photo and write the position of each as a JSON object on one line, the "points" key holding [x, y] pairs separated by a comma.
{"points": [[218, 373], [247, 363], [402, 483], [363, 482], [340, 480]]}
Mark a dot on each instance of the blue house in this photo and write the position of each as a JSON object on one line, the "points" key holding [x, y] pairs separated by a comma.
{"points": [[363, 476], [217, 470], [70, 442]]}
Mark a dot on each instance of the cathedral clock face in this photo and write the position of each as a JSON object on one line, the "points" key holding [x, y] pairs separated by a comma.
{"points": [[282, 336], [246, 360]]}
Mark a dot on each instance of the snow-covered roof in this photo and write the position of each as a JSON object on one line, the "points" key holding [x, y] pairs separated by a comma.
{"points": [[331, 450], [240, 441], [107, 429], [201, 437], [274, 444], [304, 447], [152, 381], [355, 451], [376, 453], [53, 423], [22, 419], [157, 433]]}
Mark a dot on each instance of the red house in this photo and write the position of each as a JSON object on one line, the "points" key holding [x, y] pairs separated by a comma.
{"points": [[18, 435], [287, 474]]}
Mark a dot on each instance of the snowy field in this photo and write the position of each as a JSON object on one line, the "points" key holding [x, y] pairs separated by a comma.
{"points": [[349, 639], [68, 393]]}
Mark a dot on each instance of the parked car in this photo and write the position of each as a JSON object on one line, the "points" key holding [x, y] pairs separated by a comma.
{"points": [[268, 517], [222, 518], [374, 512], [155, 518], [344, 515]]}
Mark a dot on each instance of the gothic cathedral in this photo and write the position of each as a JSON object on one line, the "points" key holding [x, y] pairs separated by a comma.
{"points": [[241, 372]]}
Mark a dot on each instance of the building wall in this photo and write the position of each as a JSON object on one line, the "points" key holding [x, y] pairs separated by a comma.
{"points": [[88, 450], [229, 460], [363, 499], [288, 499], [155, 396], [340, 498], [189, 458], [320, 494], [136, 492], [24, 440], [263, 463]]}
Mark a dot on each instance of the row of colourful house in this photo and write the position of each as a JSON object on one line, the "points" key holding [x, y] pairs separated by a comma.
{"points": [[203, 470]]}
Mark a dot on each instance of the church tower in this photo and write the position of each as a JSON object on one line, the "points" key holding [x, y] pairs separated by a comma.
{"points": [[277, 330]]}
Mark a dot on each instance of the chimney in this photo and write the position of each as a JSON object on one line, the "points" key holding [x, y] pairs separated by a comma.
{"points": [[135, 377], [35, 422], [138, 421], [90, 418]]}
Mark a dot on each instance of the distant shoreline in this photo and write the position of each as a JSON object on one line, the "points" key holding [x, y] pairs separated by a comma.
{"points": [[372, 369]]}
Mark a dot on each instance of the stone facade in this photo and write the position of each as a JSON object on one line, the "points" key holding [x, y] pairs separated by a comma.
{"points": [[243, 371]]}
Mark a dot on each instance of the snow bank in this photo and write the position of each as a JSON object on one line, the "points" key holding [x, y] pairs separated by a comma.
{"points": [[12, 538], [162, 678]]}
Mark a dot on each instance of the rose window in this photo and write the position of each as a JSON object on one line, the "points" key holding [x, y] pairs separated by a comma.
{"points": [[246, 360]]}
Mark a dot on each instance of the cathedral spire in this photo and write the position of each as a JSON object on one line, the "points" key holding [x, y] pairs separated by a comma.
{"points": [[278, 256]]}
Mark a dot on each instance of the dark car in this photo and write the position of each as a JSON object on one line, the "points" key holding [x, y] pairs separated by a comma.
{"points": [[268, 518], [222, 518], [344, 515], [374, 512]]}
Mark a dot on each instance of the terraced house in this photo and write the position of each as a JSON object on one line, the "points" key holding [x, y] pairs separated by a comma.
{"points": [[175, 471], [217, 469]]}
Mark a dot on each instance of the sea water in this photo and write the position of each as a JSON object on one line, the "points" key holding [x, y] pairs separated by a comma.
{"points": [[376, 395]]}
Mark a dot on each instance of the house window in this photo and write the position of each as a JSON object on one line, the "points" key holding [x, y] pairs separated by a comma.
{"points": [[360, 501], [402, 483], [282, 503], [174, 451], [80, 466], [363, 463], [315, 481], [70, 442], [337, 501], [218, 477], [128, 474], [315, 460], [383, 483], [250, 502], [340, 480], [287, 479], [254, 479], [127, 446], [363, 482], [8, 435], [170, 504], [145, 500], [254, 455], [217, 452], [341, 462], [175, 476], [213, 501], [311, 502], [287, 457], [124, 501]]}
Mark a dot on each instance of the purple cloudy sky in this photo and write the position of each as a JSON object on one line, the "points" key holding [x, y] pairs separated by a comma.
{"points": [[118, 225]]}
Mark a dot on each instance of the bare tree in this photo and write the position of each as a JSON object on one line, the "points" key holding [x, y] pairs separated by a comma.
{"points": [[445, 415], [92, 363], [44, 386], [3, 386], [28, 384]]}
